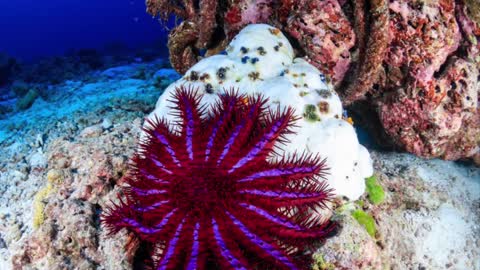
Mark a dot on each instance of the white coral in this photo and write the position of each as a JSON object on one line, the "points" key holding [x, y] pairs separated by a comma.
{"points": [[261, 60]]}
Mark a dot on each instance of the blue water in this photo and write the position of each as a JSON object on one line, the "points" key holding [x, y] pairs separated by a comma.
{"points": [[53, 53], [33, 29]]}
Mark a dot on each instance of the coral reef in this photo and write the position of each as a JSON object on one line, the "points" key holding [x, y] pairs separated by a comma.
{"points": [[439, 110], [324, 33], [205, 195], [91, 124], [386, 53], [260, 60], [440, 119], [196, 30], [371, 49]]}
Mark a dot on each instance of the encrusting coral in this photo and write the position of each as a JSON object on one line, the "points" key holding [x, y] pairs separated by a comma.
{"points": [[203, 194], [432, 74]]}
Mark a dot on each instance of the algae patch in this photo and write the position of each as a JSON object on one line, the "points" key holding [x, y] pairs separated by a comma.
{"points": [[366, 221], [321, 264], [39, 205], [376, 195], [310, 113]]}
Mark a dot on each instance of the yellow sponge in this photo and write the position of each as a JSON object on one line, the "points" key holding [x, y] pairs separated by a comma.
{"points": [[54, 177], [39, 205]]}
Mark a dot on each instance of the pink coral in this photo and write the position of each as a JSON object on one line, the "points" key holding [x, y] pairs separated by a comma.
{"points": [[325, 34], [422, 36], [432, 108]]}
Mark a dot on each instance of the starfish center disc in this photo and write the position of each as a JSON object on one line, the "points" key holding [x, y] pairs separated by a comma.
{"points": [[203, 190]]}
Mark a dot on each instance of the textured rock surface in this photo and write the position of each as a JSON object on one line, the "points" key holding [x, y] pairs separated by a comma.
{"points": [[72, 149], [431, 112], [324, 33], [70, 235], [429, 219], [398, 55], [440, 119]]}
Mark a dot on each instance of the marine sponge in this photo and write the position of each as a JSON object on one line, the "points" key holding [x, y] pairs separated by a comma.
{"points": [[208, 194], [39, 205], [54, 177]]}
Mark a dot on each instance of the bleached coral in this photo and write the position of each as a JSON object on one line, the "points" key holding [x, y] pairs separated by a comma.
{"points": [[260, 60]]}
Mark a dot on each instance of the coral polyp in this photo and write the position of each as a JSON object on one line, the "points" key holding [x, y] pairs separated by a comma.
{"points": [[213, 190]]}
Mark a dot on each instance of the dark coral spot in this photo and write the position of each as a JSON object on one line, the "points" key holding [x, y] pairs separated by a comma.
{"points": [[209, 88]]}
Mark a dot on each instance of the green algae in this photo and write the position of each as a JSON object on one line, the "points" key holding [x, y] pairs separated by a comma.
{"points": [[310, 113], [366, 221], [376, 195], [320, 263]]}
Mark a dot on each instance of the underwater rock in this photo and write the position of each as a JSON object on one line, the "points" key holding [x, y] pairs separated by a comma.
{"points": [[441, 119], [436, 113], [92, 131], [91, 57], [20, 88], [70, 235], [196, 30], [353, 248], [167, 74], [27, 100], [422, 37], [421, 212], [325, 34], [120, 72], [260, 60], [107, 123], [38, 161], [164, 77]]}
